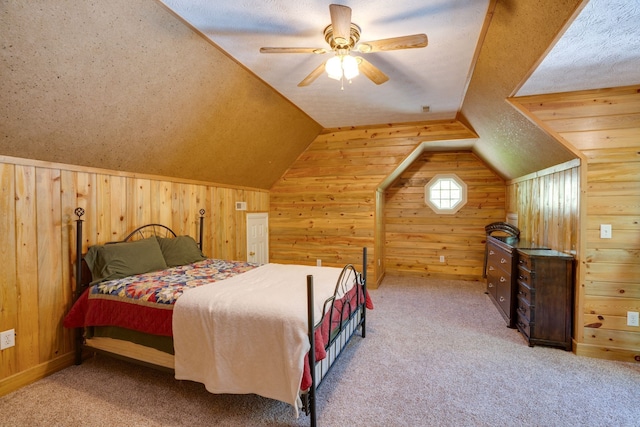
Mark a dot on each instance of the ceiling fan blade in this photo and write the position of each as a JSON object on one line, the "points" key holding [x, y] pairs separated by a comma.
{"points": [[312, 76], [395, 43], [341, 23], [316, 50], [371, 71]]}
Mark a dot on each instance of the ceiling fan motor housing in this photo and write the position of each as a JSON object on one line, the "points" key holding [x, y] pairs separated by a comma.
{"points": [[339, 42]]}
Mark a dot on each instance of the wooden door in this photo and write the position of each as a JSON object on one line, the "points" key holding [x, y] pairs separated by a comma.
{"points": [[258, 237]]}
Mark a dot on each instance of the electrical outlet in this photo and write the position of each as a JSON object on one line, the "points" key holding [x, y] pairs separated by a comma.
{"points": [[319, 262], [605, 231], [441, 258], [7, 339], [632, 318]]}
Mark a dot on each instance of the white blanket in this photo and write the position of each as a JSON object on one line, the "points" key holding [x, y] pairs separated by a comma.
{"points": [[248, 333]]}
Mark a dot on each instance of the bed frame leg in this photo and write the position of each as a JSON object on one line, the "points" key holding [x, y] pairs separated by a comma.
{"points": [[312, 352], [79, 339], [200, 239], [79, 331], [363, 329]]}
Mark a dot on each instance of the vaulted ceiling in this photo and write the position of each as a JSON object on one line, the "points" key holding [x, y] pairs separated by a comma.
{"points": [[179, 88], [434, 76]]}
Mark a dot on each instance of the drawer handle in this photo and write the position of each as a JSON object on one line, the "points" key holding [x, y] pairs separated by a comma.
{"points": [[502, 279], [501, 299], [491, 268], [491, 285], [523, 278], [503, 261], [491, 252]]}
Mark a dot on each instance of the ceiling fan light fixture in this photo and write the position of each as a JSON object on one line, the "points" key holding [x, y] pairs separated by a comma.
{"points": [[333, 67], [342, 66], [350, 67]]}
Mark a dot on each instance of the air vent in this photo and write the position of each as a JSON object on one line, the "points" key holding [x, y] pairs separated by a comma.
{"points": [[241, 206], [426, 108]]}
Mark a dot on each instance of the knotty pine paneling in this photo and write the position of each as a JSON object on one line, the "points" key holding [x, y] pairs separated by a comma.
{"points": [[547, 204], [52, 291], [416, 236], [329, 204], [22, 262], [8, 278], [37, 243], [603, 126]]}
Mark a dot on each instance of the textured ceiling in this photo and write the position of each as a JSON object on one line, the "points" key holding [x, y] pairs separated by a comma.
{"points": [[519, 35], [126, 86], [600, 49], [435, 76], [120, 84]]}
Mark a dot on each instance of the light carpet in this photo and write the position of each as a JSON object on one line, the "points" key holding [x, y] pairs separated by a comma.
{"points": [[437, 353]]}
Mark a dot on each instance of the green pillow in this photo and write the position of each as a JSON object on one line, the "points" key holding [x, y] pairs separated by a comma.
{"points": [[118, 260], [180, 250]]}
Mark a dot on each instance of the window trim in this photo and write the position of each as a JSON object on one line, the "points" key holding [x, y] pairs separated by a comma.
{"points": [[436, 179]]}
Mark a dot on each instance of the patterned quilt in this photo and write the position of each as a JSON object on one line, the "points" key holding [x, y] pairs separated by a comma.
{"points": [[144, 302]]}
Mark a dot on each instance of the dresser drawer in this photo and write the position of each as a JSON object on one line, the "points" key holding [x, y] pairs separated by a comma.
{"points": [[526, 262], [499, 278], [492, 284], [503, 296], [498, 270], [526, 293], [526, 276], [524, 326], [525, 309], [498, 258]]}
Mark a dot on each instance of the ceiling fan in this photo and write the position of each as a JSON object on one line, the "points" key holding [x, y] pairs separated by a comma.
{"points": [[343, 36]]}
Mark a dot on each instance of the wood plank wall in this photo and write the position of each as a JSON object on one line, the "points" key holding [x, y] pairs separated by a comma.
{"points": [[604, 127], [548, 206], [325, 206], [37, 243], [416, 236]]}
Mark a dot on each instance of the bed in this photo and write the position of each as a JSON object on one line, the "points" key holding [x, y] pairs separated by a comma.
{"points": [[236, 327]]}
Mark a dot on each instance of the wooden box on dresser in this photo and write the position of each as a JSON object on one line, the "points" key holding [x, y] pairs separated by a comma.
{"points": [[545, 297], [501, 272]]}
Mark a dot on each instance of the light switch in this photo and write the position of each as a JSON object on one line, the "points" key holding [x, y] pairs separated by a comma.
{"points": [[605, 231]]}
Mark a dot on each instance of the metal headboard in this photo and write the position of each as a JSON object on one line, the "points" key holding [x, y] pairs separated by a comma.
{"points": [[157, 230], [139, 233]]}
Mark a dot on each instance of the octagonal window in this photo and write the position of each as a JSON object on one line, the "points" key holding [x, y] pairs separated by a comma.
{"points": [[445, 194]]}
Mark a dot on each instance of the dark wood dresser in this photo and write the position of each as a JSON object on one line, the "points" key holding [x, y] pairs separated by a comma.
{"points": [[501, 271], [545, 297]]}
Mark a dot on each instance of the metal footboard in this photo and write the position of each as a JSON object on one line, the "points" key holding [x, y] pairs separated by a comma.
{"points": [[340, 334]]}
